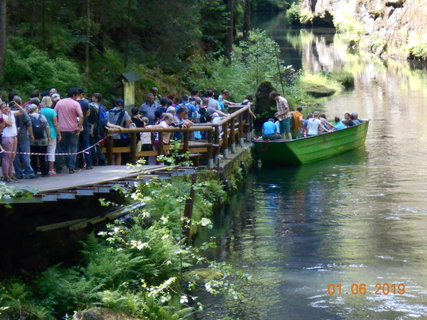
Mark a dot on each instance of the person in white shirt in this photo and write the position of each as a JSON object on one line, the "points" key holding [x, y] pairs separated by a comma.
{"points": [[313, 125], [9, 139]]}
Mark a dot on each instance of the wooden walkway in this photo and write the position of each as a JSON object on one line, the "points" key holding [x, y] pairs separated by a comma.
{"points": [[82, 178]]}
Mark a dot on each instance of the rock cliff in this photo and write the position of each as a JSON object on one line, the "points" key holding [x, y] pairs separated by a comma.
{"points": [[386, 27]]}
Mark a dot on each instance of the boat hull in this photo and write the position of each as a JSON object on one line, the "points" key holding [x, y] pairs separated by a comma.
{"points": [[311, 149]]}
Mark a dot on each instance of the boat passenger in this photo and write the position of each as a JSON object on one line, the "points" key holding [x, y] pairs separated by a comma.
{"points": [[346, 118], [313, 125], [338, 124], [326, 126], [269, 130], [283, 114], [354, 121], [304, 125], [297, 121]]}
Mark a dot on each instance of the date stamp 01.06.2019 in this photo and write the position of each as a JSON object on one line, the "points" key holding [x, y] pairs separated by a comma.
{"points": [[363, 289]]}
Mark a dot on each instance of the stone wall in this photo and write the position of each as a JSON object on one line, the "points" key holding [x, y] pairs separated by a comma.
{"points": [[386, 27]]}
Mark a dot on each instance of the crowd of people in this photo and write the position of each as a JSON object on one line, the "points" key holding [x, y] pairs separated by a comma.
{"points": [[292, 125], [48, 134]]}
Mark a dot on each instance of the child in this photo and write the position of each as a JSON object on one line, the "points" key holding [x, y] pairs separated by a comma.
{"points": [[146, 144]]}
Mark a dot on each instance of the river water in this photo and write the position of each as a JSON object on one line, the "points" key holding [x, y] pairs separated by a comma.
{"points": [[360, 218]]}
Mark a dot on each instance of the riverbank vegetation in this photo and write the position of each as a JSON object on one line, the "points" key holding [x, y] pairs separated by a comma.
{"points": [[144, 266]]}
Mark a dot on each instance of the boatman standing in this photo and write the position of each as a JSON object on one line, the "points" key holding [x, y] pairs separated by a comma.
{"points": [[283, 114]]}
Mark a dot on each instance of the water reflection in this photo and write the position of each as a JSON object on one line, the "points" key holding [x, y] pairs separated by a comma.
{"points": [[358, 218]]}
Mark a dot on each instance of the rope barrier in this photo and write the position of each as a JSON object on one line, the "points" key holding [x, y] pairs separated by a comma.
{"points": [[56, 154]]}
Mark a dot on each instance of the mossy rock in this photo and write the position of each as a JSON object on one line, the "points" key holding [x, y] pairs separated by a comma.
{"points": [[319, 91], [263, 103], [205, 274], [102, 314], [343, 77]]}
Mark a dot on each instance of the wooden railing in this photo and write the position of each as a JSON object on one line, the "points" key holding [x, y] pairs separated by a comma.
{"points": [[221, 137]]}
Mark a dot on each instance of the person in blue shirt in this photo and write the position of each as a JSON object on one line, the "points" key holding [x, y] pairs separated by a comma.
{"points": [[338, 124], [186, 104], [269, 130]]}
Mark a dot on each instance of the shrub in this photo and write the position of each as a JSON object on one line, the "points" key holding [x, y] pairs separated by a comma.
{"points": [[28, 68]]}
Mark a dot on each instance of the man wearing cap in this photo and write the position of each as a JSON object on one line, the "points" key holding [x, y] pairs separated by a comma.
{"points": [[157, 96], [55, 98], [69, 111], [148, 109]]}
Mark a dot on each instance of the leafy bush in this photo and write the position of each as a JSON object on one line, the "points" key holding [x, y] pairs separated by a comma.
{"points": [[351, 29], [417, 46], [293, 13], [28, 68]]}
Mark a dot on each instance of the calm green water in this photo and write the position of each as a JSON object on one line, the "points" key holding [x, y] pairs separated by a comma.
{"points": [[360, 218]]}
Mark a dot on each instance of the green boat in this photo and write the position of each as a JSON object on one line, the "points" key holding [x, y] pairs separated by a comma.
{"points": [[311, 149]]}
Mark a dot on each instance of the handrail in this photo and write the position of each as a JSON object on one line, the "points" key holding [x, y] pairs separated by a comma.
{"points": [[222, 136], [159, 129]]}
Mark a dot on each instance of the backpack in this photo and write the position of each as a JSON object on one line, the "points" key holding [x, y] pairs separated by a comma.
{"points": [[116, 116], [38, 127], [94, 114]]}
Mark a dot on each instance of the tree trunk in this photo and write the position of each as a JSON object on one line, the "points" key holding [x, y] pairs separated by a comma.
{"points": [[246, 19], [2, 37], [87, 52], [230, 30], [127, 35], [43, 10]]}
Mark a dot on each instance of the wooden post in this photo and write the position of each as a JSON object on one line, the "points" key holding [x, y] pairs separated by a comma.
{"points": [[188, 210], [160, 146], [241, 129], [216, 141], [233, 135], [133, 142], [110, 155], [210, 150], [225, 139], [186, 138]]}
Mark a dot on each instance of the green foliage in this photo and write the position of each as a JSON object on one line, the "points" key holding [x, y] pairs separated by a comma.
{"points": [[417, 47], [17, 302], [293, 13], [8, 192], [320, 83], [28, 68], [344, 77], [252, 62], [351, 29], [139, 267], [175, 156]]}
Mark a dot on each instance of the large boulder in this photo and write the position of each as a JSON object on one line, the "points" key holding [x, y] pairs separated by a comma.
{"points": [[102, 314], [264, 106]]}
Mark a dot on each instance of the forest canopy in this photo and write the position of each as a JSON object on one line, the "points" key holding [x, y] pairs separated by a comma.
{"points": [[91, 42]]}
